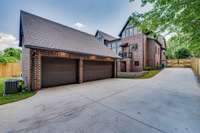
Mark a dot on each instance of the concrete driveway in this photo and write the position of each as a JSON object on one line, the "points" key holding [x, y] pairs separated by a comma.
{"points": [[167, 103]]}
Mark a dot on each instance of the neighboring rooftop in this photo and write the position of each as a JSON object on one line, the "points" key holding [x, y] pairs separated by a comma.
{"points": [[39, 32], [106, 36]]}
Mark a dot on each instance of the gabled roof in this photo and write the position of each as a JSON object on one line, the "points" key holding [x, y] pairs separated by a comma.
{"points": [[106, 36], [42, 33], [162, 41], [127, 22], [155, 40]]}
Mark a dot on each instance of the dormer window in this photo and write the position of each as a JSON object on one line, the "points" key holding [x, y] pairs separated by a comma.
{"points": [[131, 32], [100, 38], [128, 32], [123, 35]]}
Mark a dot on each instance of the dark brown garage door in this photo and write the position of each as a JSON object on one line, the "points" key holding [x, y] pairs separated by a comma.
{"points": [[93, 70], [58, 71]]}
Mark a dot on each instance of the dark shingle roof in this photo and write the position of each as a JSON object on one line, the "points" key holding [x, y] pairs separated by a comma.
{"points": [[127, 22], [43, 33], [106, 36]]}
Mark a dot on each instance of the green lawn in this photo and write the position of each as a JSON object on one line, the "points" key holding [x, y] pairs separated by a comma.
{"points": [[12, 97], [150, 74], [146, 75]]}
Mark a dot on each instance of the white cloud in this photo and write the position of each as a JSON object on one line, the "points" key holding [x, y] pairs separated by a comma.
{"points": [[7, 41], [79, 25]]}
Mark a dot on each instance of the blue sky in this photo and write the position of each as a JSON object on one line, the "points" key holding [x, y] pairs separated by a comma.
{"points": [[86, 15]]}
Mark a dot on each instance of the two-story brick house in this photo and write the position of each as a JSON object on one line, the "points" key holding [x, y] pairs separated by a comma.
{"points": [[109, 41], [137, 49]]}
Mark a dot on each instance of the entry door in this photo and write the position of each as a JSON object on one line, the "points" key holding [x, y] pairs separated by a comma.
{"points": [[123, 66]]}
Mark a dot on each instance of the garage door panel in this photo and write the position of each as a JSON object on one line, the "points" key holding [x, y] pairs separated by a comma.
{"points": [[94, 70], [58, 71]]}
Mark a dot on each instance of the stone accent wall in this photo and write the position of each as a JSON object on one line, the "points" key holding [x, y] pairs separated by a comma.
{"points": [[35, 75], [26, 63]]}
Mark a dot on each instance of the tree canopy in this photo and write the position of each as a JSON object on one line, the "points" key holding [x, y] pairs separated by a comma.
{"points": [[182, 53], [175, 43], [10, 55], [180, 17], [13, 52]]}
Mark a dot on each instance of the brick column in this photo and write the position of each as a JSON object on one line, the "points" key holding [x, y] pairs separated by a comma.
{"points": [[36, 71], [115, 69], [39, 84], [118, 66], [128, 66], [80, 70]]}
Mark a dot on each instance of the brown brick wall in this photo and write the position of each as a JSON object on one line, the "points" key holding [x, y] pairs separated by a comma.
{"points": [[35, 69], [138, 55], [80, 70], [118, 66], [149, 53], [153, 53]]}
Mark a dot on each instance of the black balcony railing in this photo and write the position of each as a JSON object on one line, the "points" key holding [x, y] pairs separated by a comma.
{"points": [[125, 54]]}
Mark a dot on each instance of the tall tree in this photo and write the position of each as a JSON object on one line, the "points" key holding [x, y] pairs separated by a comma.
{"points": [[182, 53], [181, 17], [175, 43]]}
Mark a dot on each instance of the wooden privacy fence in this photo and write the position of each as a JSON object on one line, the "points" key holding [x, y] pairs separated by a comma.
{"points": [[196, 66], [10, 70], [179, 63]]}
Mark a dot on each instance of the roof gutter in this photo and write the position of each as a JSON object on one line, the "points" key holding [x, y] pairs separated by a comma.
{"points": [[72, 52]]}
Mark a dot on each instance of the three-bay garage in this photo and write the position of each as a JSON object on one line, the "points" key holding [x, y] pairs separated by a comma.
{"points": [[54, 54], [57, 71]]}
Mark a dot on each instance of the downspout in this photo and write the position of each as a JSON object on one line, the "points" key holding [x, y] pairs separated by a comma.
{"points": [[143, 50]]}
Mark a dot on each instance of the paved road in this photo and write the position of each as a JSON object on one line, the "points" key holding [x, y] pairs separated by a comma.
{"points": [[167, 103]]}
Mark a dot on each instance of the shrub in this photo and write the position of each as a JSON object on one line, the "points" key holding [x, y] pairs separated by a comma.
{"points": [[148, 68], [182, 53], [3, 59], [158, 66], [7, 59]]}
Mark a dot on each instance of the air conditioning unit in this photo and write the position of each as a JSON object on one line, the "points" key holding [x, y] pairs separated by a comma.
{"points": [[11, 86]]}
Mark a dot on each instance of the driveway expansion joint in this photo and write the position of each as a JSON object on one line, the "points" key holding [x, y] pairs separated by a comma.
{"points": [[124, 114]]}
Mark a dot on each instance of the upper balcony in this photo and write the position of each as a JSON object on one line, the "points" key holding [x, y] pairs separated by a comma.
{"points": [[125, 54]]}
